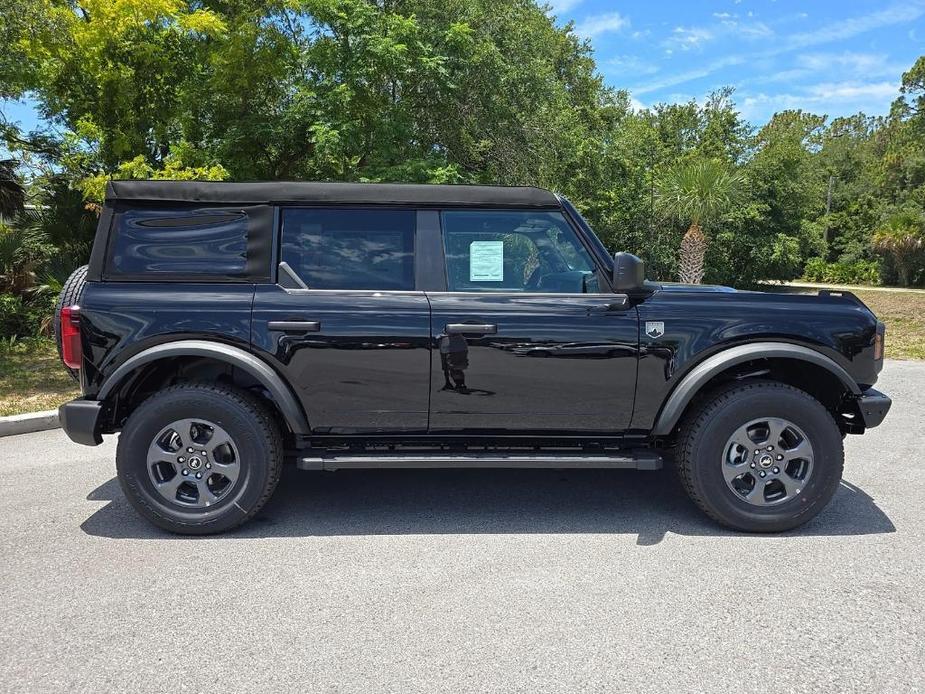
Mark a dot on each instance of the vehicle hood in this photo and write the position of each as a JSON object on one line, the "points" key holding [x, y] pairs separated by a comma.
{"points": [[679, 287]]}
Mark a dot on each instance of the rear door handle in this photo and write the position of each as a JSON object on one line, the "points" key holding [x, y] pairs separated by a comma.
{"points": [[471, 329], [295, 326]]}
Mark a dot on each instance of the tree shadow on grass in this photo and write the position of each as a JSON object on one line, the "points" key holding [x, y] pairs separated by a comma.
{"points": [[420, 502]]}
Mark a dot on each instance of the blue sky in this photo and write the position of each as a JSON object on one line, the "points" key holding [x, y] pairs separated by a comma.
{"points": [[825, 56], [828, 57]]}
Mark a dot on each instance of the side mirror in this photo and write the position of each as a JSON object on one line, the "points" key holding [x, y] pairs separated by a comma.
{"points": [[629, 273]]}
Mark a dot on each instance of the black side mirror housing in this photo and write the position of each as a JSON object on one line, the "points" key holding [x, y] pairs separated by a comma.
{"points": [[629, 273]]}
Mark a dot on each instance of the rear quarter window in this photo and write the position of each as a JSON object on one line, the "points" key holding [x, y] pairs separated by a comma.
{"points": [[193, 242]]}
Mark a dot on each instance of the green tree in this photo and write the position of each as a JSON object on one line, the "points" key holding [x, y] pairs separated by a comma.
{"points": [[697, 193], [901, 237], [12, 194], [913, 89], [453, 90], [773, 229], [849, 200]]}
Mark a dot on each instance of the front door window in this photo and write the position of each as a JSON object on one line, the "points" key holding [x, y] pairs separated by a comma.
{"points": [[509, 251]]}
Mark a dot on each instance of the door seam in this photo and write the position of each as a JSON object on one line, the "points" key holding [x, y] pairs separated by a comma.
{"points": [[430, 358]]}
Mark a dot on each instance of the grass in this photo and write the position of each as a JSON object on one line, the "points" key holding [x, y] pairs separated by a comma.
{"points": [[32, 377], [904, 315]]}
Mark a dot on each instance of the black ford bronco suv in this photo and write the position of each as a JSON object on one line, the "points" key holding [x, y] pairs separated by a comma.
{"points": [[224, 328]]}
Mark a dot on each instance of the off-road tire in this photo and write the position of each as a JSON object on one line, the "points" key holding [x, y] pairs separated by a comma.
{"points": [[703, 438], [70, 295], [255, 435]]}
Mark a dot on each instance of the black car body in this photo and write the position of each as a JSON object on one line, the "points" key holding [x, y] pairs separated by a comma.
{"points": [[416, 325]]}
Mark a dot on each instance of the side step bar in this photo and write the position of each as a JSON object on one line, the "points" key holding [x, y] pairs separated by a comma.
{"points": [[631, 460]]}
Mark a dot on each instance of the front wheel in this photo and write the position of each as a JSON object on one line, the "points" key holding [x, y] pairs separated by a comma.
{"points": [[198, 459], [760, 456]]}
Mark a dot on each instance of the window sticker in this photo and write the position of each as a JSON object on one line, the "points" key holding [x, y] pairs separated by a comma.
{"points": [[486, 261]]}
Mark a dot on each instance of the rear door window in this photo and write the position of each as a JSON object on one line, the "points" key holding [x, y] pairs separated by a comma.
{"points": [[349, 248]]}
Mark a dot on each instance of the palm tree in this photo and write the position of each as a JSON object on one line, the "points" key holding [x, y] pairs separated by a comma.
{"points": [[697, 192], [12, 195], [901, 237], [18, 259]]}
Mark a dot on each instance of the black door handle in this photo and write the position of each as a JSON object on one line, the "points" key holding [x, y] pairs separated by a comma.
{"points": [[471, 329], [295, 326]]}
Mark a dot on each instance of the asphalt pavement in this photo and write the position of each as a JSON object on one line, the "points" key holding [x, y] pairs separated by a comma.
{"points": [[466, 581]]}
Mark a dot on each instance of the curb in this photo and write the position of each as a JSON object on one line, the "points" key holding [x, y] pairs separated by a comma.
{"points": [[29, 422]]}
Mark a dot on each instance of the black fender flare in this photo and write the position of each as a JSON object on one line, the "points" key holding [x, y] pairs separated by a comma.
{"points": [[701, 374], [235, 356]]}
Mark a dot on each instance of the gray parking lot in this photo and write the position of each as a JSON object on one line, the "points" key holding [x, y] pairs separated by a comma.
{"points": [[424, 581]]}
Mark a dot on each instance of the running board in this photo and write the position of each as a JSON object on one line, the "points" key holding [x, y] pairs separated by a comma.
{"points": [[630, 460]]}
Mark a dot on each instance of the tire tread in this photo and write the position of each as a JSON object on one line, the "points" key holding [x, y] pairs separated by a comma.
{"points": [[261, 416], [698, 417]]}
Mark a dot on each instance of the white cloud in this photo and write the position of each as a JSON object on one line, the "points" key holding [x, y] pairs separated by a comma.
{"points": [[729, 25], [845, 65], [854, 64], [753, 30], [560, 7], [689, 75], [842, 91], [848, 28], [687, 38], [748, 29], [628, 65], [861, 62], [596, 25], [872, 98], [791, 75], [836, 31]]}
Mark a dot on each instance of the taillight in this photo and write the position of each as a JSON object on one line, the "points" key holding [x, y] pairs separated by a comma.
{"points": [[71, 351], [878, 341]]}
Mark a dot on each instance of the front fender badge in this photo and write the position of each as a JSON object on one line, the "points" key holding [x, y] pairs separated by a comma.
{"points": [[655, 328]]}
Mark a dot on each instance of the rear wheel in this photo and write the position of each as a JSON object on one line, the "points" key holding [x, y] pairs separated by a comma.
{"points": [[70, 296], [760, 456], [198, 459]]}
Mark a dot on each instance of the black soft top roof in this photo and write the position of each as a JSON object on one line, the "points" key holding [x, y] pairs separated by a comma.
{"points": [[265, 192]]}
